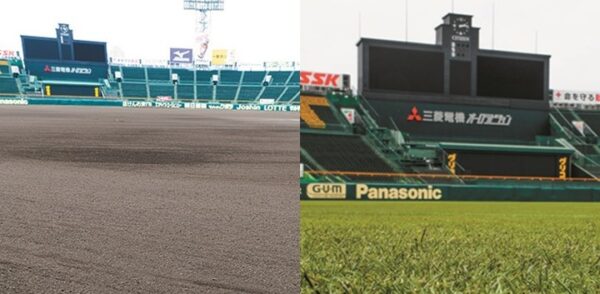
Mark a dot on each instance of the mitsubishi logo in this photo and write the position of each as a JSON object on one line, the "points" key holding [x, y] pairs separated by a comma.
{"points": [[414, 115]]}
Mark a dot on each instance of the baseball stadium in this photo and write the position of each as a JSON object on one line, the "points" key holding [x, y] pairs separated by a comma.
{"points": [[127, 175], [450, 169]]}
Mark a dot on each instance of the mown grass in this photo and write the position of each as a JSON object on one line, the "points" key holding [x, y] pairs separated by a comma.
{"points": [[442, 247]]}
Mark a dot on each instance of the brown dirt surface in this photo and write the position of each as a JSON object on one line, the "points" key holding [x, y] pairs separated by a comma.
{"points": [[121, 200]]}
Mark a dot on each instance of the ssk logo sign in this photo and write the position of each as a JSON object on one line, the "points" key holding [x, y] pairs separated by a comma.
{"points": [[318, 79], [326, 191], [459, 117]]}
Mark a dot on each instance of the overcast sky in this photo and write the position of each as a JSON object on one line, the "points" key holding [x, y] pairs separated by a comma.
{"points": [[259, 30], [569, 31]]}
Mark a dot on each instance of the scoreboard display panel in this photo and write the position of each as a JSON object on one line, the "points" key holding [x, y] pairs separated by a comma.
{"points": [[40, 48], [89, 51], [510, 78], [394, 69], [64, 58]]}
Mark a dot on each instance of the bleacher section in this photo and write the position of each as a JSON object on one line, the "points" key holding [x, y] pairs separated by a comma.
{"points": [[141, 83], [366, 147], [290, 94], [254, 77], [316, 113], [233, 85], [249, 93], [344, 153], [135, 90], [8, 86]]}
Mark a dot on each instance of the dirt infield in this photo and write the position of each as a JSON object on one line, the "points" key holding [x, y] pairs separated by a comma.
{"points": [[106, 200]]}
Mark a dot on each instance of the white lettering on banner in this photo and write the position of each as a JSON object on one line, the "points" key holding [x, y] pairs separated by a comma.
{"points": [[275, 108], [67, 69], [248, 107], [137, 104], [13, 102], [459, 117], [219, 106], [402, 193], [167, 105], [194, 105]]}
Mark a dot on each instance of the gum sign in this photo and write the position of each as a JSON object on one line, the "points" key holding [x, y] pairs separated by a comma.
{"points": [[363, 191]]}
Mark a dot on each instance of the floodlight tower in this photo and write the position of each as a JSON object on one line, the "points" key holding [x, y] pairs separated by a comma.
{"points": [[204, 8]]}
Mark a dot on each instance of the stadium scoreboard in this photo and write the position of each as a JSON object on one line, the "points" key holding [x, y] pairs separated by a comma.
{"points": [[65, 58], [454, 89], [453, 66]]}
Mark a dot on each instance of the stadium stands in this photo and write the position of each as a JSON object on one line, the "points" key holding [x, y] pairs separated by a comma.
{"points": [[329, 146], [233, 85], [8, 85], [139, 82]]}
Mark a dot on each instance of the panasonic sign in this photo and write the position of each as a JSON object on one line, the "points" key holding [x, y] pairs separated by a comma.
{"points": [[381, 193]]}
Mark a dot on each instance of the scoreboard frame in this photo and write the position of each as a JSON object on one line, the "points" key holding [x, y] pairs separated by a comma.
{"points": [[448, 43]]}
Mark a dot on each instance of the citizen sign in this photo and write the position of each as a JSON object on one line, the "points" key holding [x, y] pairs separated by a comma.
{"points": [[459, 117]]}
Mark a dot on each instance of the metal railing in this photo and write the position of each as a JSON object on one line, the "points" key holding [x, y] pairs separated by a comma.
{"points": [[450, 176]]}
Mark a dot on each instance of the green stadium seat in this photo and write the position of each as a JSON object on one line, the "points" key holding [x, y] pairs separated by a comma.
{"points": [[134, 73], [249, 93], [8, 85], [272, 92], [204, 92], [226, 92], [254, 77], [230, 77], [290, 93], [158, 74]]}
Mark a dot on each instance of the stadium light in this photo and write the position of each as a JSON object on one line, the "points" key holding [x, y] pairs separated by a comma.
{"points": [[118, 76], [203, 7], [15, 71], [267, 80]]}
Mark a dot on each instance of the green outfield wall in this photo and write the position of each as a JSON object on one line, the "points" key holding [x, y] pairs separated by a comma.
{"points": [[543, 191]]}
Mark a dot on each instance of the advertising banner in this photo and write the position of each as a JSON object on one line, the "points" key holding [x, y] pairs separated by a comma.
{"points": [[450, 121], [56, 70], [576, 97], [219, 57], [181, 55], [320, 79], [446, 192], [9, 54]]}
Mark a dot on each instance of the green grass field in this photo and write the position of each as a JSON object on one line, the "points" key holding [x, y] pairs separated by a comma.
{"points": [[468, 247]]}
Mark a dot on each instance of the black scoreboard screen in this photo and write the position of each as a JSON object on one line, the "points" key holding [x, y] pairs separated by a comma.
{"points": [[510, 78], [40, 48], [88, 51], [48, 49], [393, 69]]}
